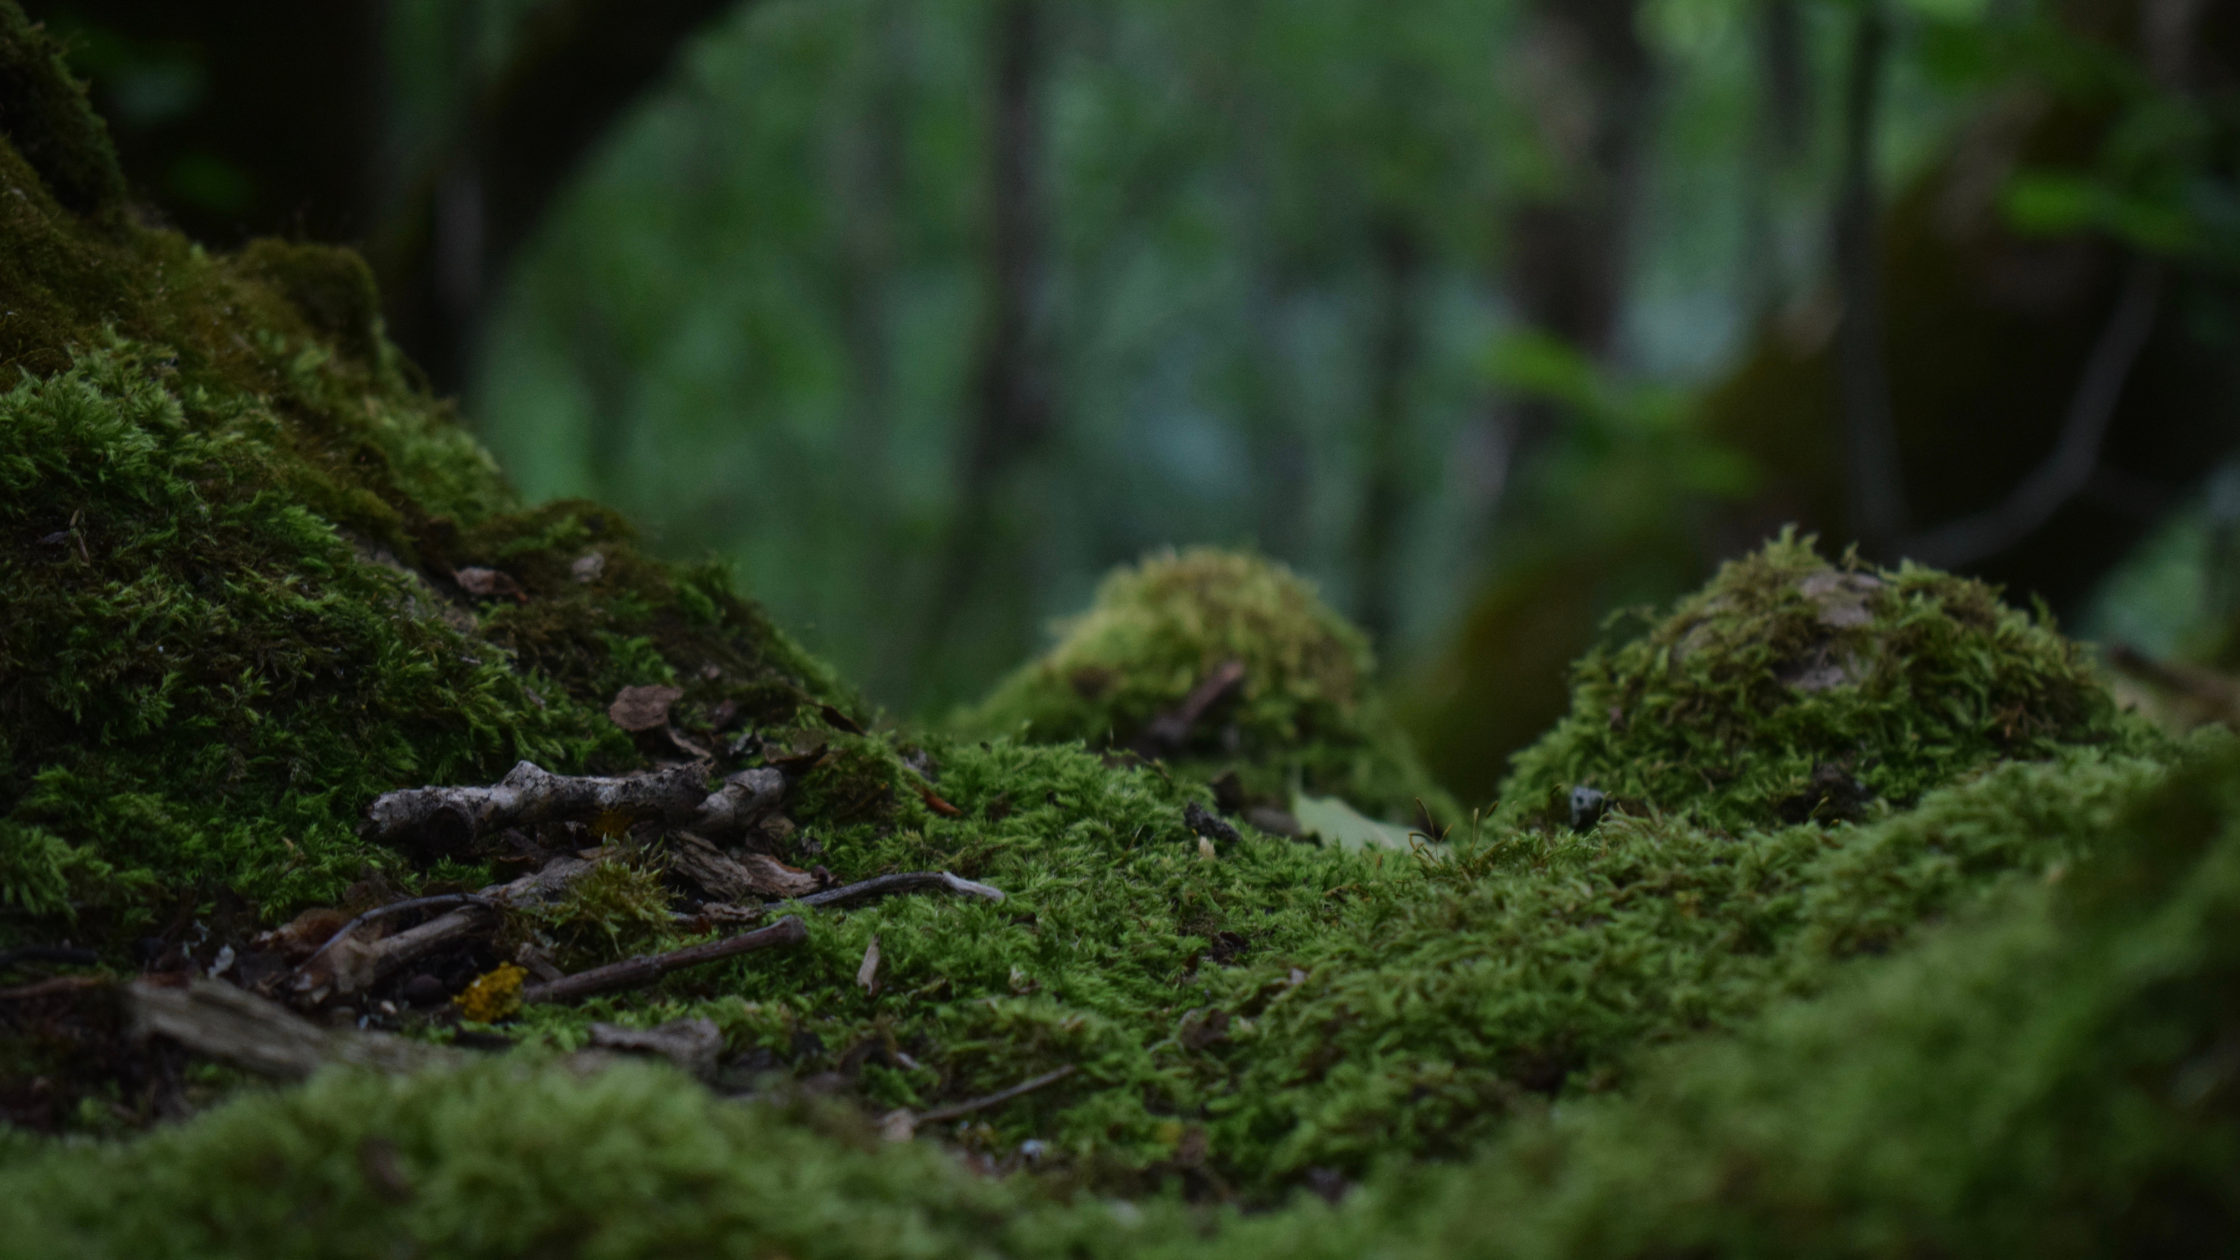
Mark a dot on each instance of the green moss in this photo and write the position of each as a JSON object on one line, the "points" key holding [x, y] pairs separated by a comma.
{"points": [[1792, 688], [230, 534], [2049, 1075], [1306, 716]]}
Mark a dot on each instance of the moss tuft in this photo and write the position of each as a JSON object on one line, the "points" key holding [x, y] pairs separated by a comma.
{"points": [[1306, 716], [1791, 688]]}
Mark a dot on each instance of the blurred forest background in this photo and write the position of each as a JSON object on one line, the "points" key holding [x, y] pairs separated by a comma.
{"points": [[1491, 316]]}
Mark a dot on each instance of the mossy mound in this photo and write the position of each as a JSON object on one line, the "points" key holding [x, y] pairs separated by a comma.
{"points": [[1303, 715], [251, 575], [1792, 688]]}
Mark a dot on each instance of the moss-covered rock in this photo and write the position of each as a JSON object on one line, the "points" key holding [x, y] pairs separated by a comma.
{"points": [[1792, 687], [1303, 713]]}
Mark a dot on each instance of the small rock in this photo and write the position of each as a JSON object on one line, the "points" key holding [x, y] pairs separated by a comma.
{"points": [[588, 566]]}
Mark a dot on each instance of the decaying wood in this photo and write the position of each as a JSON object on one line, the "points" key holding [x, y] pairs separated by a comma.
{"points": [[215, 1019], [452, 817], [745, 877], [901, 1124], [632, 973]]}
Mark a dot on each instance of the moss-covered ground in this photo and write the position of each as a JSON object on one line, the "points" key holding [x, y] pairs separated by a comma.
{"points": [[1888, 934]]}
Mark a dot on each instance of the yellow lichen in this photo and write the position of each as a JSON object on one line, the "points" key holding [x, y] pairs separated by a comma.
{"points": [[494, 994]]}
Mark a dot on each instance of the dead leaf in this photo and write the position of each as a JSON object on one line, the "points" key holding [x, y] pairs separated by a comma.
{"points": [[868, 974], [643, 708], [937, 805]]}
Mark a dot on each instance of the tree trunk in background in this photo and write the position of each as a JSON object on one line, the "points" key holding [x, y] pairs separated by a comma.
{"points": [[868, 187], [1399, 263], [1012, 391], [1594, 86], [456, 220], [1874, 480], [1784, 131]]}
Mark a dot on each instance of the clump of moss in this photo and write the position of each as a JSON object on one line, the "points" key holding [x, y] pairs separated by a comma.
{"points": [[2054, 1074], [1304, 717], [251, 575], [1792, 688]]}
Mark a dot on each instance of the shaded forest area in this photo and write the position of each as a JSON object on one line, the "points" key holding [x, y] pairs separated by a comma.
{"points": [[1492, 318]]}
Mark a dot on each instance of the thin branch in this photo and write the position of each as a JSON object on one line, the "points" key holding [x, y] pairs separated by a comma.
{"points": [[901, 1124], [881, 885], [2068, 470], [632, 973], [395, 907]]}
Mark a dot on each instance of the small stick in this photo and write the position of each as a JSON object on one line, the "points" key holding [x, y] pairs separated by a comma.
{"points": [[1001, 1096], [880, 885], [395, 907], [901, 1124], [633, 973]]}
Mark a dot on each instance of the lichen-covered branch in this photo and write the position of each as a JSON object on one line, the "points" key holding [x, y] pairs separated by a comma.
{"points": [[448, 819]]}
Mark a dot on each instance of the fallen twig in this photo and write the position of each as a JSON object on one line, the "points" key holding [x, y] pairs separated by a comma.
{"points": [[354, 966], [908, 881], [901, 1124], [217, 1020], [447, 819], [395, 907], [644, 969]]}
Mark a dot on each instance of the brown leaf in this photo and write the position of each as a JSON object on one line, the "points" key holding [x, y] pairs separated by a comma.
{"points": [[643, 708], [937, 805]]}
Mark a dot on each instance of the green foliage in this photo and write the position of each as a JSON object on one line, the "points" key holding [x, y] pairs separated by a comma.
{"points": [[1789, 688], [1307, 716]]}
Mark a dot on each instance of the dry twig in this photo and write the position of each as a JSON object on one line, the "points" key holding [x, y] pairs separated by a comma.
{"points": [[901, 1124], [632, 973]]}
